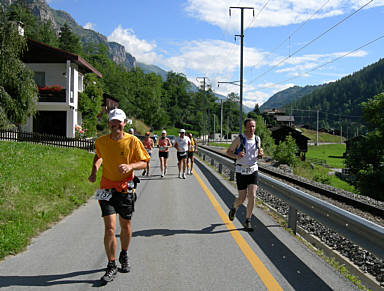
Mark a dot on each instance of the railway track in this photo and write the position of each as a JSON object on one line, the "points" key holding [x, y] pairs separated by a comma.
{"points": [[369, 265]]}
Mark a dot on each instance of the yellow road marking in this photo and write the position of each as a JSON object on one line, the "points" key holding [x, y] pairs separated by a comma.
{"points": [[265, 276]]}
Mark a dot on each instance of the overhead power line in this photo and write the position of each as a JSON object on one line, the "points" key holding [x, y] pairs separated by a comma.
{"points": [[310, 42], [329, 62], [301, 26], [258, 13], [325, 112]]}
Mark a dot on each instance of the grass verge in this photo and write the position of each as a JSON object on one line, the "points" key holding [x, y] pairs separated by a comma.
{"points": [[331, 153], [39, 185]]}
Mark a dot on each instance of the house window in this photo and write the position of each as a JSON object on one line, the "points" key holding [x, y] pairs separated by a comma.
{"points": [[39, 78], [80, 83]]}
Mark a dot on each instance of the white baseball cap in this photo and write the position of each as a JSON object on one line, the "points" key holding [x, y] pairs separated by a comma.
{"points": [[163, 131], [182, 130], [117, 114]]}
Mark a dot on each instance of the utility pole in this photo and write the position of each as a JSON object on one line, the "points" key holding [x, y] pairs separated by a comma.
{"points": [[241, 58], [317, 128], [221, 121], [198, 79], [214, 127]]}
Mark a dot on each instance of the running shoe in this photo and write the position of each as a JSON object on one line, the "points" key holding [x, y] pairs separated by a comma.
{"points": [[110, 273], [143, 174], [231, 214], [247, 225], [180, 175], [162, 175], [123, 259], [184, 176]]}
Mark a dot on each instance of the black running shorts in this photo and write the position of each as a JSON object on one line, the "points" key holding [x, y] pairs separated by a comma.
{"points": [[243, 181], [163, 155], [181, 155], [120, 203], [190, 155]]}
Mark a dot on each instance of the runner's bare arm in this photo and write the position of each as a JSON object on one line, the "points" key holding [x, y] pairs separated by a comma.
{"points": [[232, 148], [95, 167], [125, 168]]}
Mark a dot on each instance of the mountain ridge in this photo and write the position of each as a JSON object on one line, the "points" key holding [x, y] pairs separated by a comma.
{"points": [[288, 95], [58, 18]]}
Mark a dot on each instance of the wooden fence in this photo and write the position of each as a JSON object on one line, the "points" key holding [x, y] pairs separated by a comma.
{"points": [[47, 139]]}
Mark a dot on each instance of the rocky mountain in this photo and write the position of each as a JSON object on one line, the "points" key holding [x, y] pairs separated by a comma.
{"points": [[287, 96], [152, 69], [58, 18]]}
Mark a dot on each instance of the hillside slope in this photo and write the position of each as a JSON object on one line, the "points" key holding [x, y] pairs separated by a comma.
{"points": [[286, 96]]}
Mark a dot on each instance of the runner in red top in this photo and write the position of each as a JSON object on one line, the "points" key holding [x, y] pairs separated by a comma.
{"points": [[164, 143], [148, 145]]}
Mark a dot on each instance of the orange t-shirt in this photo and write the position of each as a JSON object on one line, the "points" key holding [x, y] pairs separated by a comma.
{"points": [[127, 150]]}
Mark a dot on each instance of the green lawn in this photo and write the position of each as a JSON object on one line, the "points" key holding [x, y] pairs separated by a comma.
{"points": [[38, 186], [331, 153], [323, 137]]}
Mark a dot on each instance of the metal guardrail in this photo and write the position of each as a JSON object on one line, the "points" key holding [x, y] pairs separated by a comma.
{"points": [[364, 233]]}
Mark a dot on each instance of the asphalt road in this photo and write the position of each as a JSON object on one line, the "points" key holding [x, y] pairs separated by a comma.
{"points": [[182, 240]]}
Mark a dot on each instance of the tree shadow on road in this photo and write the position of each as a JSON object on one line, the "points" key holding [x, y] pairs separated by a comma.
{"points": [[169, 232], [50, 280]]}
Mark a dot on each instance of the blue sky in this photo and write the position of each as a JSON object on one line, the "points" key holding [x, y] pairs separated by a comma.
{"points": [[288, 42]]}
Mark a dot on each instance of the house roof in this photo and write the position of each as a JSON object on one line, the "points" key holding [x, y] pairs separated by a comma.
{"points": [[285, 118], [39, 52], [286, 129], [105, 95]]}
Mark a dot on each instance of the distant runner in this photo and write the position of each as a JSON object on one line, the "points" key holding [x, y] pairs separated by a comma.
{"points": [[164, 145], [191, 150], [181, 144], [148, 145]]}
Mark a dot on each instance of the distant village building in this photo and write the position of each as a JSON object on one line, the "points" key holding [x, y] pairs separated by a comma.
{"points": [[280, 134], [277, 117], [285, 120]]}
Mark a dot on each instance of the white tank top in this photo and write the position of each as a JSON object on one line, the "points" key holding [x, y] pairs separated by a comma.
{"points": [[250, 158]]}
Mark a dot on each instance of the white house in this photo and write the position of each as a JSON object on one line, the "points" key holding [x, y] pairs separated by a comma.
{"points": [[59, 77]]}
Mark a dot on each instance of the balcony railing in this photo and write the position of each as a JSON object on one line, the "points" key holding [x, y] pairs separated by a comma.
{"points": [[52, 96]]}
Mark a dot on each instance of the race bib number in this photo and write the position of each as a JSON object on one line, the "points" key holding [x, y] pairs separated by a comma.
{"points": [[162, 148], [246, 170], [103, 194], [183, 154]]}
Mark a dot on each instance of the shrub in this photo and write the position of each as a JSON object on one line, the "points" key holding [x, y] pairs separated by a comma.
{"points": [[285, 152]]}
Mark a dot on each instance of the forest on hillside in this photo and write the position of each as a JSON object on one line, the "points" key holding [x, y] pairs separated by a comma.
{"points": [[339, 102]]}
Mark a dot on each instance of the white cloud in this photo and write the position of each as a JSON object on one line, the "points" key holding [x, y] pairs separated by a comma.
{"points": [[212, 57], [300, 65], [275, 13], [90, 25], [143, 50]]}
